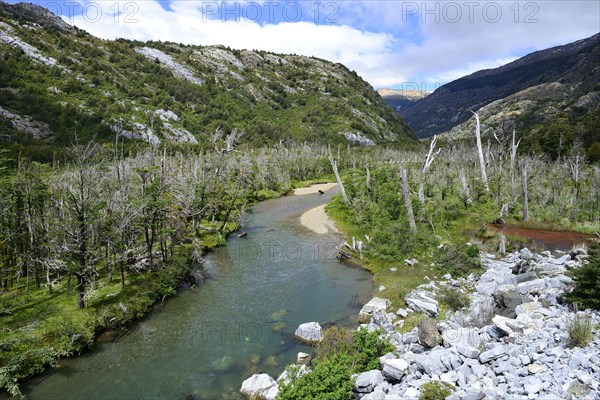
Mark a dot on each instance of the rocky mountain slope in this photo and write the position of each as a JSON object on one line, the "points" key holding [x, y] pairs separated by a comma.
{"points": [[58, 81], [562, 81]]}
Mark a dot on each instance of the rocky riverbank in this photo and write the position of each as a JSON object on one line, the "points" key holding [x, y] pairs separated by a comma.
{"points": [[511, 342]]}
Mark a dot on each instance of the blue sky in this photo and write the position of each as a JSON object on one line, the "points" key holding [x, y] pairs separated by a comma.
{"points": [[390, 43]]}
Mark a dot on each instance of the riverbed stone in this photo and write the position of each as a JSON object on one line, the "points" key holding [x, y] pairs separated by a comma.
{"points": [[261, 386], [309, 332], [428, 333], [492, 354], [528, 308], [375, 304], [467, 351], [303, 358], [466, 336], [529, 286], [402, 312], [394, 369], [422, 301], [367, 381]]}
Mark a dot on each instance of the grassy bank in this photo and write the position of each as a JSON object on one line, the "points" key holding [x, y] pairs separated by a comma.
{"points": [[396, 276]]}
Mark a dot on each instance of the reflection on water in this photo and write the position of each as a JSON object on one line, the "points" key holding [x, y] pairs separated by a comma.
{"points": [[206, 341]]}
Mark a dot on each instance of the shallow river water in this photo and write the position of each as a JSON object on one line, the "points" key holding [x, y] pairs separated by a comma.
{"points": [[204, 342]]}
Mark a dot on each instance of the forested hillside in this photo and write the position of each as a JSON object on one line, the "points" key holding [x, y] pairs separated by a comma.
{"points": [[59, 82]]}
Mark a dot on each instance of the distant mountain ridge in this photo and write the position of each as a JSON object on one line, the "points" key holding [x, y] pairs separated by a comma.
{"points": [[399, 99], [575, 66], [68, 82]]}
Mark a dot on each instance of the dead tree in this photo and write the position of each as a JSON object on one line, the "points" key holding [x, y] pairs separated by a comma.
{"points": [[466, 190], [428, 161], [502, 245], [337, 176], [524, 193], [513, 158], [407, 202], [369, 189], [480, 151]]}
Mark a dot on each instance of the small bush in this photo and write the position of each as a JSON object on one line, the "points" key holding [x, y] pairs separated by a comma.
{"points": [[368, 347], [580, 331], [339, 355], [458, 259], [454, 299], [435, 390], [587, 281], [330, 379], [335, 340]]}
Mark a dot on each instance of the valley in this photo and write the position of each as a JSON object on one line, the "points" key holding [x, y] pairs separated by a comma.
{"points": [[171, 214]]}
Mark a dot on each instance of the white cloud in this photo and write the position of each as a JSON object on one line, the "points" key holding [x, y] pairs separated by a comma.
{"points": [[386, 42]]}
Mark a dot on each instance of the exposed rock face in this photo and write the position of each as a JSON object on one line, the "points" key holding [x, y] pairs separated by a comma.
{"points": [[176, 68], [38, 130], [309, 332], [36, 14], [28, 49]]}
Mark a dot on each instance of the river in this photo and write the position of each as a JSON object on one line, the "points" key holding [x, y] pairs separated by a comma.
{"points": [[205, 341]]}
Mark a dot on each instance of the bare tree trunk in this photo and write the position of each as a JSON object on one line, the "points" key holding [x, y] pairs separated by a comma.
{"points": [[465, 186], [428, 161], [513, 158], [337, 176], [524, 194], [407, 202], [369, 190], [480, 151], [502, 245]]}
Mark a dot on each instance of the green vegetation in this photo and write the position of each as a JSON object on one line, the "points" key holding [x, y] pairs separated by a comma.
{"points": [[580, 330], [458, 259], [454, 299], [99, 87], [341, 354], [587, 281], [435, 390]]}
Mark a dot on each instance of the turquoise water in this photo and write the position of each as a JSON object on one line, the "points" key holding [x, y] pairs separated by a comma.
{"points": [[204, 342]]}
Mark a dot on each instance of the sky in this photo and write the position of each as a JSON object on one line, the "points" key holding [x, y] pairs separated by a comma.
{"points": [[390, 43]]}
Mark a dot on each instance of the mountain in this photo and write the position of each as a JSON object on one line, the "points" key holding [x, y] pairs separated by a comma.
{"points": [[58, 82], [400, 99], [533, 91]]}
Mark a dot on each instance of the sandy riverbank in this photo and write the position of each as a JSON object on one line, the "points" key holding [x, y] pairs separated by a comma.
{"points": [[315, 188], [317, 220]]}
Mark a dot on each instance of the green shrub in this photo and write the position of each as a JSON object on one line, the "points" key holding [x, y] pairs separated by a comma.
{"points": [[587, 281], [435, 390], [336, 340], [580, 331], [454, 299], [27, 363], [368, 347], [330, 379], [340, 354], [458, 259]]}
